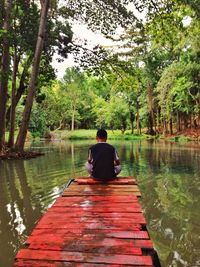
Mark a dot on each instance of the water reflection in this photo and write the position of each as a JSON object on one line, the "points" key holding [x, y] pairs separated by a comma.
{"points": [[170, 184], [17, 213], [168, 176]]}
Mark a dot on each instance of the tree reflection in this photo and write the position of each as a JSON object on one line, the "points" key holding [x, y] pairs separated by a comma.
{"points": [[169, 195]]}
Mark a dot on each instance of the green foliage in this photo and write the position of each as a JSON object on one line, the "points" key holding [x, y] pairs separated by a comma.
{"points": [[37, 125], [177, 89], [117, 113], [100, 110]]}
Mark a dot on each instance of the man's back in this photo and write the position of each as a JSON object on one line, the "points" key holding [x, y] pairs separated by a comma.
{"points": [[103, 156]]}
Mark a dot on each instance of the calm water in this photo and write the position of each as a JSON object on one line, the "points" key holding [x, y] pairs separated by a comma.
{"points": [[169, 179]]}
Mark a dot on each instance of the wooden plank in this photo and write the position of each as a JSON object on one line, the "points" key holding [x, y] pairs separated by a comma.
{"points": [[107, 204], [101, 193], [77, 233], [86, 246], [115, 182], [111, 198], [86, 213], [84, 257], [74, 186], [117, 178], [36, 263], [87, 203], [95, 199], [102, 188], [95, 209], [100, 241], [90, 225], [101, 245], [134, 218], [105, 188]]}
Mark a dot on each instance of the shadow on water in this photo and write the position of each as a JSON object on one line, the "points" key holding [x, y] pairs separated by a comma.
{"points": [[169, 179], [17, 211]]}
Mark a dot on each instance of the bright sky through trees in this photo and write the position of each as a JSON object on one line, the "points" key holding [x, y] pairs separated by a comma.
{"points": [[81, 32]]}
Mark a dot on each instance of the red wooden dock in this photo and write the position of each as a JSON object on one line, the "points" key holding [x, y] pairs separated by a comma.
{"points": [[91, 225]]}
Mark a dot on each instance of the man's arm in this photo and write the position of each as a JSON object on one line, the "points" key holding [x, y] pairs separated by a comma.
{"points": [[116, 159], [89, 156]]}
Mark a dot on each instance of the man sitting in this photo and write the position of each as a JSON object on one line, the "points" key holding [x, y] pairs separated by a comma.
{"points": [[103, 162]]}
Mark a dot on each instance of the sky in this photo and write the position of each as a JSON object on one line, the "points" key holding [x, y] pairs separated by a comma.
{"points": [[80, 32]]}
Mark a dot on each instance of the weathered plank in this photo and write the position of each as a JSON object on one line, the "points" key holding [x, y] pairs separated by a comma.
{"points": [[115, 182], [95, 209], [101, 193], [41, 263], [106, 245], [84, 257], [89, 225], [117, 178], [86, 247], [78, 233], [83, 200]]}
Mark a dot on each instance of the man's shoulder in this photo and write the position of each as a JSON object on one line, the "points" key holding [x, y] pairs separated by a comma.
{"points": [[101, 145]]}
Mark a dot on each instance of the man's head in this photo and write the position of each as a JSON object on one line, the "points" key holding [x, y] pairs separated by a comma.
{"points": [[101, 135]]}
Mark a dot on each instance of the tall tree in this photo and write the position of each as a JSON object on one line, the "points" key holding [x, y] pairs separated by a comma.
{"points": [[4, 68], [35, 69], [24, 15], [74, 86]]}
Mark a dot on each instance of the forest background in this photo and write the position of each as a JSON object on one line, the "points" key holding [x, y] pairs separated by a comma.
{"points": [[147, 81]]}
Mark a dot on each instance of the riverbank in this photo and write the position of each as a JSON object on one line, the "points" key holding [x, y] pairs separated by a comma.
{"points": [[91, 135], [117, 135]]}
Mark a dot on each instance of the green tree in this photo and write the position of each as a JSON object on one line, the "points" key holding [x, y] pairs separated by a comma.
{"points": [[117, 113], [178, 94], [100, 109], [73, 85], [4, 69], [35, 69]]}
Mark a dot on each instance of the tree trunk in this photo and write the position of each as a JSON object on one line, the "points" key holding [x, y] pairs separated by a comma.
{"points": [[21, 88], [73, 119], [4, 70], [13, 105], [158, 120], [35, 69], [138, 122], [132, 118], [178, 123], [171, 126], [151, 120]]}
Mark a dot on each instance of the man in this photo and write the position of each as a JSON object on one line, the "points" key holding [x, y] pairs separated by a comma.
{"points": [[103, 162]]}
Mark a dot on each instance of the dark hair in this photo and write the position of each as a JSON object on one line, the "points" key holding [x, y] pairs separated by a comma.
{"points": [[102, 134]]}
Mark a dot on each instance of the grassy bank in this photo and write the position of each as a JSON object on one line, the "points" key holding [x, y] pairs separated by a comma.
{"points": [[91, 134], [83, 134]]}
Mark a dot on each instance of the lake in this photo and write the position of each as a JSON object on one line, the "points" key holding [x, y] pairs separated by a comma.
{"points": [[168, 175]]}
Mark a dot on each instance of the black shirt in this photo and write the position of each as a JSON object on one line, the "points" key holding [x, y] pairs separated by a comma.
{"points": [[102, 156]]}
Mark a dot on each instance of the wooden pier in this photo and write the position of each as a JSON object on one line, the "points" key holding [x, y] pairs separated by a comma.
{"points": [[91, 225]]}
